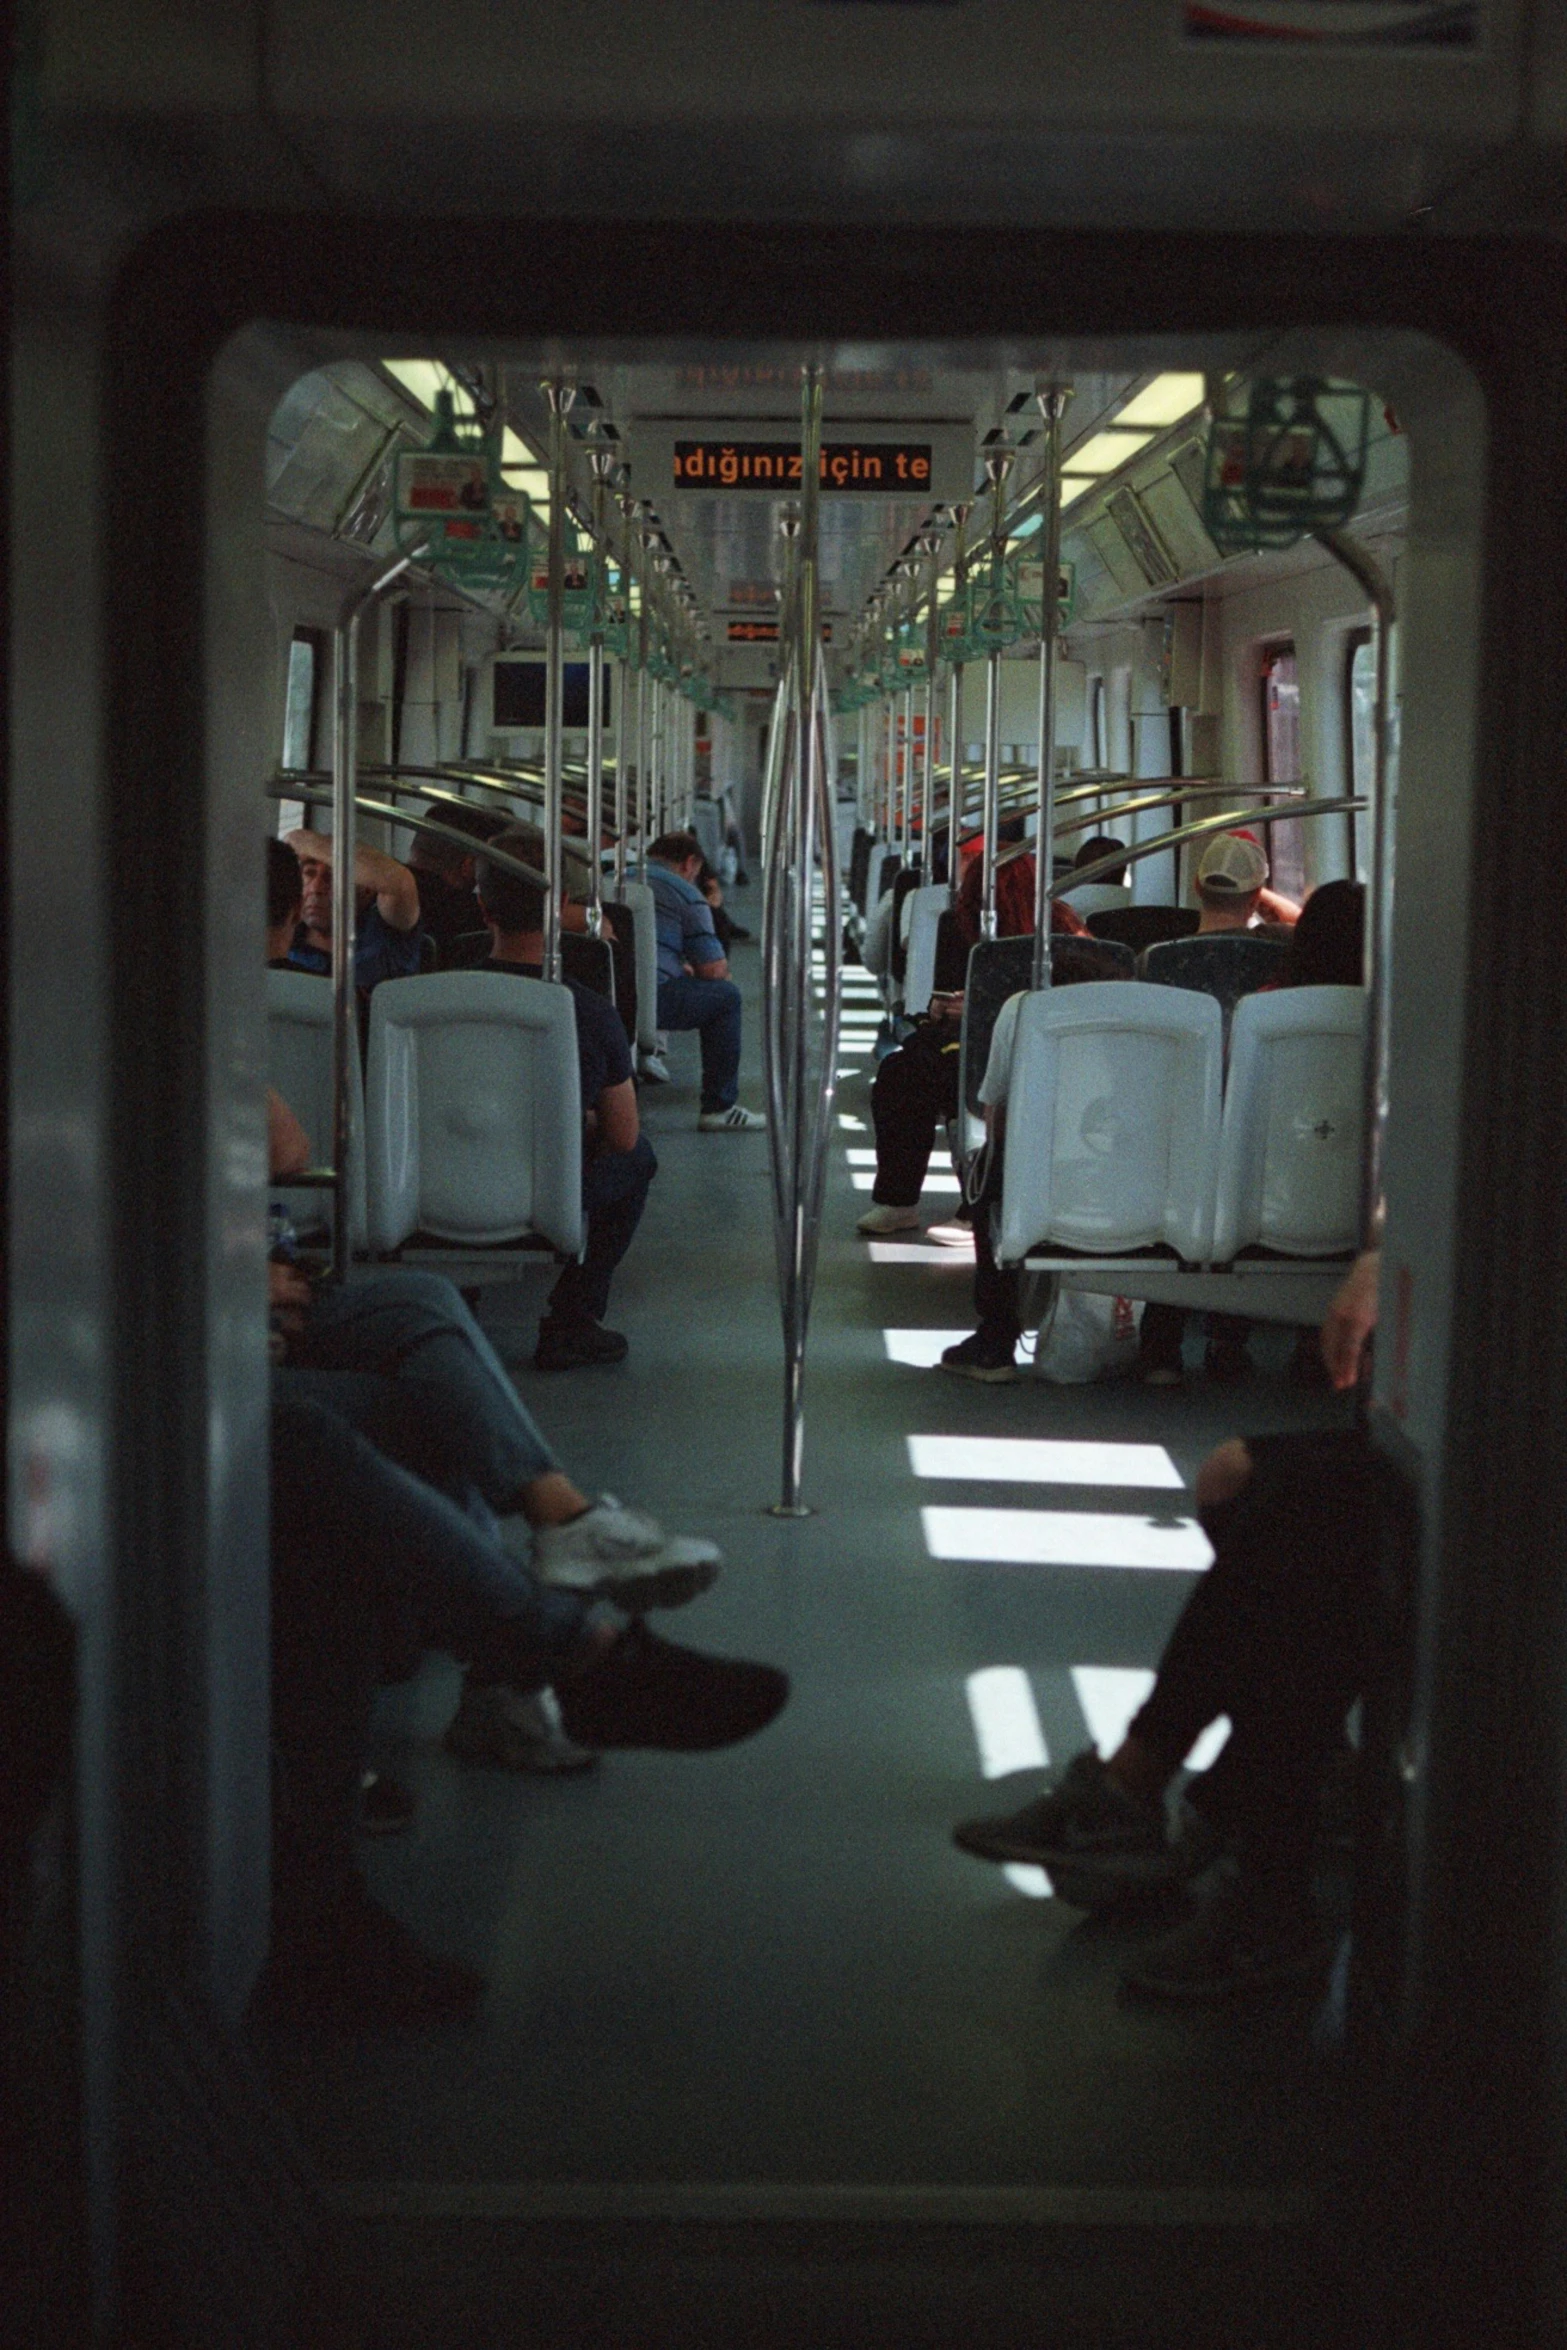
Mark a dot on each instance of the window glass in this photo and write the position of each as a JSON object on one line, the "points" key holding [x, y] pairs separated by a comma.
{"points": [[299, 710], [1360, 687], [1281, 764]]}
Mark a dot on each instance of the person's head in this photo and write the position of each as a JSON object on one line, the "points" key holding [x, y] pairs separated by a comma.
{"points": [[315, 894], [1103, 844], [681, 851], [1327, 945], [285, 891], [1230, 873], [443, 857], [508, 903], [1011, 829]]}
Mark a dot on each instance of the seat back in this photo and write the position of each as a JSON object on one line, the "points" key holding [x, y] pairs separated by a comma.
{"points": [[1096, 897], [1289, 1156], [924, 910], [998, 967], [903, 889], [473, 1111], [589, 961], [1226, 965], [1113, 1114], [1143, 926], [644, 915], [299, 1067]]}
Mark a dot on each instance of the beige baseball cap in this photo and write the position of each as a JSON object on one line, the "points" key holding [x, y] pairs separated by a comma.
{"points": [[1232, 866]]}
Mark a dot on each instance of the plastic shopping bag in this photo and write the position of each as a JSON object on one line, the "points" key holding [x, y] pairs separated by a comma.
{"points": [[1083, 1337]]}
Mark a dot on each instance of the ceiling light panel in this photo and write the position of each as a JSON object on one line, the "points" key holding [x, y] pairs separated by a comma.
{"points": [[1106, 451], [1165, 401]]}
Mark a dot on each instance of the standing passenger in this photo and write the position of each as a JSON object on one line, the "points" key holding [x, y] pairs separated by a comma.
{"points": [[694, 986]]}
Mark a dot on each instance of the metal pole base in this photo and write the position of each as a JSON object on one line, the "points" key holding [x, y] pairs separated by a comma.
{"points": [[788, 1509]]}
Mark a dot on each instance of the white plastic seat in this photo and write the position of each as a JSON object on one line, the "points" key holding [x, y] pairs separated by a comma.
{"points": [[644, 922], [1096, 897], [1290, 1145], [299, 1067], [1112, 1128], [473, 1111], [922, 912]]}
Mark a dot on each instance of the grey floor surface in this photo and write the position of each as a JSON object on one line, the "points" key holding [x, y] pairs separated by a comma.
{"points": [[771, 1965]]}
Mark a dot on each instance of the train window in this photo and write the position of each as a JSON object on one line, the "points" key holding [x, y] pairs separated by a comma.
{"points": [[301, 695], [1281, 761], [1360, 687], [1099, 745], [299, 710]]}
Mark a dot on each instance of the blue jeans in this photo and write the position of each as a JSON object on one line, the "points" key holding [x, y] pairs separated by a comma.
{"points": [[438, 1566], [712, 1007], [614, 1193], [455, 1418]]}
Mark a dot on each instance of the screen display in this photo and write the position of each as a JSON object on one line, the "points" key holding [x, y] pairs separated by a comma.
{"points": [[519, 695]]}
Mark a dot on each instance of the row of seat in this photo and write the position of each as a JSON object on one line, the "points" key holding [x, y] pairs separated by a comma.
{"points": [[1124, 1134], [466, 1123]]}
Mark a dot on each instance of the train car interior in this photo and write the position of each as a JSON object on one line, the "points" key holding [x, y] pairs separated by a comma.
{"points": [[739, 932]]}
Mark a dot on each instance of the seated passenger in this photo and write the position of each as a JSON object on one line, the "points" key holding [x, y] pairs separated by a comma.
{"points": [[386, 933], [726, 929], [285, 889], [444, 874], [1231, 885], [1014, 894], [617, 1159], [1109, 892], [1276, 1635], [694, 986], [353, 1532]]}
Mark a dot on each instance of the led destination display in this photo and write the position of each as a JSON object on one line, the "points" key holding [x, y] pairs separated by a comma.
{"points": [[765, 632], [888, 468]]}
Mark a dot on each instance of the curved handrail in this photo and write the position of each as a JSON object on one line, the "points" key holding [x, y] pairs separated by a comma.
{"points": [[1103, 867], [425, 824]]}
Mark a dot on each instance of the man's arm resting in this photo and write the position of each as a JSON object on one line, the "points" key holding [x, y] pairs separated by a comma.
{"points": [[618, 1122], [1351, 1319]]}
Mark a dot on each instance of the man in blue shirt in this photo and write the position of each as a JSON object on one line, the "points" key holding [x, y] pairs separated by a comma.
{"points": [[617, 1158], [387, 932], [694, 986]]}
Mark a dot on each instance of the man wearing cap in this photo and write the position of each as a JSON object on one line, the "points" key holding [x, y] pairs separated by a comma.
{"points": [[1232, 891]]}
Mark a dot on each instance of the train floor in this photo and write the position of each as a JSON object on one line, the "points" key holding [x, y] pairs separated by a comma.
{"points": [[765, 1979]]}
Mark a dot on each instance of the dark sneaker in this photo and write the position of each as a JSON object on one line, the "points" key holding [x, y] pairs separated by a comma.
{"points": [[386, 1806], [983, 1357], [576, 1346], [1227, 1362], [1240, 1942], [1088, 1823], [360, 1967], [645, 1691]]}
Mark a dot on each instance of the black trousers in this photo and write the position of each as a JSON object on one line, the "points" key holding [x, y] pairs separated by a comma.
{"points": [[914, 1093], [1278, 1635]]}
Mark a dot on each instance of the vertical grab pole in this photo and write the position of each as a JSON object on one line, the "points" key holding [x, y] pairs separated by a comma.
{"points": [[345, 764], [627, 506], [799, 813], [930, 543], [1379, 911], [560, 396], [603, 462], [1052, 403], [998, 464], [960, 515]]}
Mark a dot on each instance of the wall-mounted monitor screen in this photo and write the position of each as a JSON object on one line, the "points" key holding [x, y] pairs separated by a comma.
{"points": [[519, 695]]}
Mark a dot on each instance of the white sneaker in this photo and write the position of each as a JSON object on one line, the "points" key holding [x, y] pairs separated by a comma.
{"points": [[732, 1121], [514, 1732], [653, 1069], [880, 1220], [625, 1556]]}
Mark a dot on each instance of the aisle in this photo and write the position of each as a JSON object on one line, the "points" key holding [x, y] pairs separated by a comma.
{"points": [[772, 1965]]}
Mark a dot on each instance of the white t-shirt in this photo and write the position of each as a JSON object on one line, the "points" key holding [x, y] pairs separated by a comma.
{"points": [[1003, 1037]]}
